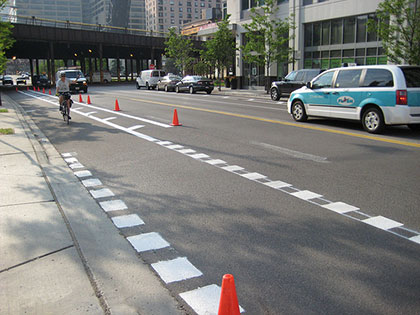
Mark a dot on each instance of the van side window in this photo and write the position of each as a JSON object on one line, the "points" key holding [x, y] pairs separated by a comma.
{"points": [[412, 76], [155, 73], [348, 79], [323, 81], [162, 73], [378, 78]]}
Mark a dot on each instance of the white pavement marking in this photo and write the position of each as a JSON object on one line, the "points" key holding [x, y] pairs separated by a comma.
{"points": [[186, 151], [136, 127], [175, 146], [110, 118], [225, 96], [292, 153], [65, 155], [382, 223], [129, 220], [147, 241], [177, 269], [215, 162], [232, 168], [76, 165], [113, 205], [253, 176], [205, 300], [164, 142], [92, 182], [415, 239], [81, 174], [340, 207], [251, 99], [71, 160], [277, 184], [306, 195], [101, 193], [199, 156], [90, 113]]}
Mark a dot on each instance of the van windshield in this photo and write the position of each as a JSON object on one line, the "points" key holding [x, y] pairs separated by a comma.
{"points": [[412, 76], [73, 74]]}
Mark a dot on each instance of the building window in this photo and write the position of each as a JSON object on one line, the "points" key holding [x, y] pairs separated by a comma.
{"points": [[316, 41], [371, 36], [326, 33], [361, 29], [349, 30], [308, 35], [307, 2], [245, 4], [336, 31], [180, 9]]}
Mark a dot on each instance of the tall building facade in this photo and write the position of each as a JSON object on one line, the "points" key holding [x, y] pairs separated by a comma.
{"points": [[328, 33], [164, 14], [63, 10]]}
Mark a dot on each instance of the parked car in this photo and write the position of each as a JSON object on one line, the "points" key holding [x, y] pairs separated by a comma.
{"points": [[21, 80], [375, 95], [7, 79], [149, 78], [78, 81], [168, 82], [194, 83], [96, 77], [24, 75], [41, 81], [293, 81]]}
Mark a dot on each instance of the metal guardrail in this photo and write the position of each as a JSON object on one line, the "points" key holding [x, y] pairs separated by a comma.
{"points": [[32, 20]]}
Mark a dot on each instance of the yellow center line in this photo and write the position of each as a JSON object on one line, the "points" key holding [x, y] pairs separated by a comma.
{"points": [[285, 123]]}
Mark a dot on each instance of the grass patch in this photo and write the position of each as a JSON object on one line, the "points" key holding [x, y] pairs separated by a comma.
{"points": [[4, 110], [6, 131]]}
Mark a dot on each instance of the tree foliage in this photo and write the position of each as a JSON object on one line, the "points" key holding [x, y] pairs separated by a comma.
{"points": [[180, 48], [6, 39], [267, 37], [398, 26]]}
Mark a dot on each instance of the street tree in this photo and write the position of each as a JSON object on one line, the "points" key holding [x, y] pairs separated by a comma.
{"points": [[398, 26], [6, 39], [267, 38], [220, 49], [180, 48]]}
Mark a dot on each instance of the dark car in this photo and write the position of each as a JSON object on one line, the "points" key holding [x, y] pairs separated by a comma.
{"points": [[293, 81], [195, 83], [21, 80], [168, 82], [41, 81], [78, 81], [7, 79]]}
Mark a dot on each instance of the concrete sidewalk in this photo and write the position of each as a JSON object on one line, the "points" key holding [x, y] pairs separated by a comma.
{"points": [[60, 254]]}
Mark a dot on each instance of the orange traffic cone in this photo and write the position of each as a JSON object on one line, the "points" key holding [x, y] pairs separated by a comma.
{"points": [[175, 121], [117, 107], [43, 90], [228, 304], [39, 89], [88, 100], [80, 98], [49, 92], [16, 89], [34, 89]]}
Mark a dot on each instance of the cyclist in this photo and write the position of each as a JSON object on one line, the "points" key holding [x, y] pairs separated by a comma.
{"points": [[62, 88]]}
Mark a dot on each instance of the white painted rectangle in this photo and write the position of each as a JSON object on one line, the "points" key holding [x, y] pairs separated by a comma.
{"points": [[129, 220], [101, 193], [232, 168], [215, 162], [113, 205], [306, 195], [382, 223], [81, 174], [65, 155], [91, 182], [71, 160], [199, 156], [340, 207], [164, 142], [175, 146], [277, 184], [177, 269], [253, 176], [136, 127], [186, 151], [205, 300], [109, 118], [415, 239], [147, 241], [76, 166]]}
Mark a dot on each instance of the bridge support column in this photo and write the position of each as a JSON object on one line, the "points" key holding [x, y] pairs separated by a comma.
{"points": [[101, 73], [31, 66], [159, 61], [131, 69], [49, 74], [52, 63], [37, 66], [138, 66], [90, 69], [118, 69], [126, 69], [107, 64]]}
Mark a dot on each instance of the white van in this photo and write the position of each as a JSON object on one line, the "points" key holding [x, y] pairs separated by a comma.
{"points": [[149, 79], [96, 77]]}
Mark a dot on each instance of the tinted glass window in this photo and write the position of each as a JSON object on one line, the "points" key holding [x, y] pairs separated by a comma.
{"points": [[291, 76], [348, 78], [378, 78], [310, 74], [162, 73], [323, 81], [155, 73], [412, 76], [300, 76]]}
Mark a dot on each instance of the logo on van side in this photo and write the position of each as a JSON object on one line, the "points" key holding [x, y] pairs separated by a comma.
{"points": [[345, 100]]}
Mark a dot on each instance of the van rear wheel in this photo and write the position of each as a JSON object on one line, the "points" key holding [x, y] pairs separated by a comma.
{"points": [[137, 86], [373, 120], [147, 86]]}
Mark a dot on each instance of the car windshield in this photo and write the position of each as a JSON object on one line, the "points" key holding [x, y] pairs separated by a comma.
{"points": [[7, 77], [291, 76], [412, 76], [73, 74], [174, 77]]}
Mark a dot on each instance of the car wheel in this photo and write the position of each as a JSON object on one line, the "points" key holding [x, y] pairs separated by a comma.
{"points": [[137, 86], [166, 88], [373, 120], [177, 89], [298, 111], [275, 95], [147, 86], [192, 90], [414, 127]]}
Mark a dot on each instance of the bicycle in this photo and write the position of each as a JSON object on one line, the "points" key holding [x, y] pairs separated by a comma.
{"points": [[64, 108]]}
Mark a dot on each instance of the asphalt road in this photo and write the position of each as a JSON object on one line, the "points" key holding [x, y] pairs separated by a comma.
{"points": [[289, 255]]}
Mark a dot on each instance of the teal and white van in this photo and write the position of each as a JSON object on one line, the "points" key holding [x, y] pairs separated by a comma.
{"points": [[375, 95]]}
